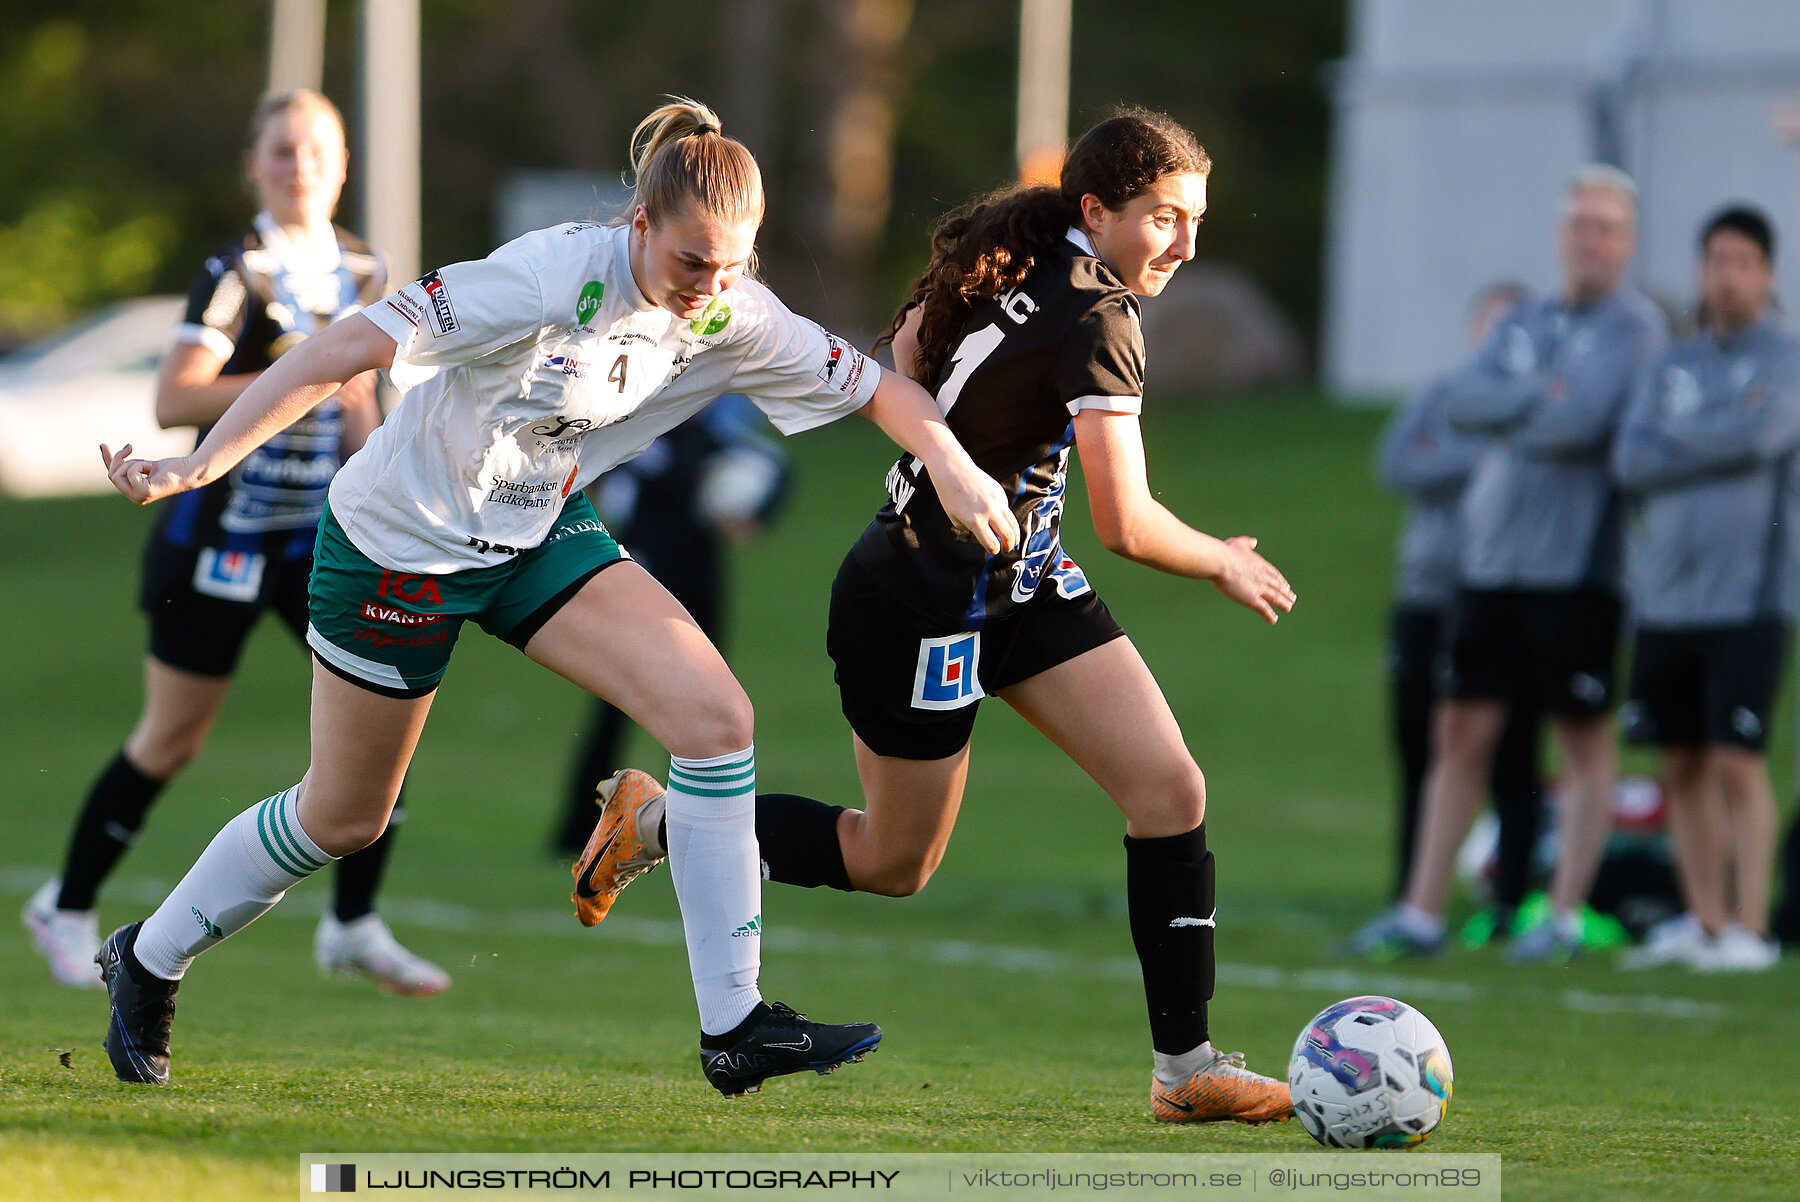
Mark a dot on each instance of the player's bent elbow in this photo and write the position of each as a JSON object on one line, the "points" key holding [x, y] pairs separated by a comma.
{"points": [[1118, 535]]}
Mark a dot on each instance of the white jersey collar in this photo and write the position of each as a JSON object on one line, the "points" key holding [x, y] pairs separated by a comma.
{"points": [[628, 285], [315, 252], [1079, 237]]}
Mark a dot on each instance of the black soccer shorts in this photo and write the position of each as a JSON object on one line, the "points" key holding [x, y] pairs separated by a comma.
{"points": [[203, 632], [1712, 686], [1556, 648], [910, 687]]}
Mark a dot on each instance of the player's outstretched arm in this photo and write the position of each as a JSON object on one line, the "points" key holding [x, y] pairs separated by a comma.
{"points": [[973, 499], [1134, 524], [297, 382]]}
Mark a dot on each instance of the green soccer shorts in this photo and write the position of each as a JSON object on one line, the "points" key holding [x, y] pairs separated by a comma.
{"points": [[391, 632]]}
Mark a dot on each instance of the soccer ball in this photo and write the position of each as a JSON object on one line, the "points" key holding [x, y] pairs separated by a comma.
{"points": [[1370, 1072]]}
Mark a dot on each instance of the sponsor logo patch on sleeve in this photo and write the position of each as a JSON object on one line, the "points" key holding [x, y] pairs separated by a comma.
{"points": [[437, 294], [843, 367]]}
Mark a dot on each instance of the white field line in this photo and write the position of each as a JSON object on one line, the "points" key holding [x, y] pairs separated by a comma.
{"points": [[21, 880]]}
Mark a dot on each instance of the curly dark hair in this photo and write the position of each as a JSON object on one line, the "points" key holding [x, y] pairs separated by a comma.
{"points": [[988, 246]]}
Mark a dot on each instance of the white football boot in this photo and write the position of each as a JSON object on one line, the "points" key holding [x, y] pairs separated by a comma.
{"points": [[364, 947], [68, 939]]}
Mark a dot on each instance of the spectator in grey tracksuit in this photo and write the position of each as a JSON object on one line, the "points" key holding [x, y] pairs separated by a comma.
{"points": [[1537, 610], [1708, 456], [1426, 461]]}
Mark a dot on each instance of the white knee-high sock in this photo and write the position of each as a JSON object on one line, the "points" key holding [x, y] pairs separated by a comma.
{"points": [[243, 872], [718, 881]]}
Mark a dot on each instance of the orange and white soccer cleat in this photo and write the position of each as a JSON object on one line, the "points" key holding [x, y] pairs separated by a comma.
{"points": [[624, 845], [1222, 1091]]}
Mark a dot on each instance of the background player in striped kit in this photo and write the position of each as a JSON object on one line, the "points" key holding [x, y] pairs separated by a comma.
{"points": [[1025, 326], [1707, 455], [223, 555], [525, 376]]}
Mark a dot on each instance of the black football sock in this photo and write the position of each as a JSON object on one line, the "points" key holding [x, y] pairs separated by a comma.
{"points": [[359, 873], [1169, 892], [799, 841], [108, 825]]}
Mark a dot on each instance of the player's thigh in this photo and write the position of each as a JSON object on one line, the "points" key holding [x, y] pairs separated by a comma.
{"points": [[623, 638], [362, 742], [178, 703], [1105, 710]]}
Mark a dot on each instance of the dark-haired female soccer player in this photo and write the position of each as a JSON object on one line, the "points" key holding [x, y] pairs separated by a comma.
{"points": [[1025, 326], [525, 375]]}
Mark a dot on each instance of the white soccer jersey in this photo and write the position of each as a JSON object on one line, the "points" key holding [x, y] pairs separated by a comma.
{"points": [[530, 372]]}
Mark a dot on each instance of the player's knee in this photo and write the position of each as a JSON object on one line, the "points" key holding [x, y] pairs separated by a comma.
{"points": [[1189, 808], [718, 725], [900, 875], [344, 836], [897, 881], [1174, 803], [162, 755]]}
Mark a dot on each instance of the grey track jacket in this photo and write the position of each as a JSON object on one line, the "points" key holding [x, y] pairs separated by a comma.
{"points": [[1540, 511], [1427, 461], [1707, 457]]}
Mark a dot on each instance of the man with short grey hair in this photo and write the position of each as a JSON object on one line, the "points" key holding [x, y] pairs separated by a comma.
{"points": [[1537, 613]]}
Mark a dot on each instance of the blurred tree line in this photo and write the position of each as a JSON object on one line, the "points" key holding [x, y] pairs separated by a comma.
{"points": [[122, 126]]}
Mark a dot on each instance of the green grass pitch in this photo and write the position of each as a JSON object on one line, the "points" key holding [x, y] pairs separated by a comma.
{"points": [[1007, 988]]}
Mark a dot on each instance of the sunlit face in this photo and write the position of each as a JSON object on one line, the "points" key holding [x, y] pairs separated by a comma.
{"points": [[1736, 279], [1150, 235], [1596, 239], [687, 259], [298, 165]]}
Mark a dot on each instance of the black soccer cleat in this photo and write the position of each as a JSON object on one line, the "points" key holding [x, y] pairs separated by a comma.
{"points": [[780, 1041], [137, 1037]]}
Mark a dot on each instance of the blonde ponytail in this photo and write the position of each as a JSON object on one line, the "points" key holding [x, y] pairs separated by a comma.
{"points": [[680, 155]]}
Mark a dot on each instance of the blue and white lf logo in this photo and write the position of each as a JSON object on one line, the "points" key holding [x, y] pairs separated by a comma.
{"points": [[334, 1179], [949, 675]]}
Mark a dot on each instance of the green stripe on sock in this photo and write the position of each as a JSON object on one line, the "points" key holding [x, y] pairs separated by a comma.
{"points": [[283, 841], [263, 833], [299, 850], [703, 791], [748, 761], [747, 775]]}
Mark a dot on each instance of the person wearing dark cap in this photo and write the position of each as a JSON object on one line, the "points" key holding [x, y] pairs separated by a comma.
{"points": [[1707, 455]]}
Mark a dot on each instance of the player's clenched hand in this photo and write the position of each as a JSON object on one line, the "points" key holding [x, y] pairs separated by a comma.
{"points": [[1252, 581], [975, 501], [145, 480]]}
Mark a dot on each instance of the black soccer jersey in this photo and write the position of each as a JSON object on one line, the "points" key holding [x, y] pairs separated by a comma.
{"points": [[253, 301], [1025, 362]]}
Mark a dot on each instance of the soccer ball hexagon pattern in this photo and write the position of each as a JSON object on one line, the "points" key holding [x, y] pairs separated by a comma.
{"points": [[1370, 1072]]}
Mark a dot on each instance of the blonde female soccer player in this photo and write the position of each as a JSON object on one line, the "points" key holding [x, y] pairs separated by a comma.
{"points": [[223, 555], [525, 375], [1025, 327]]}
